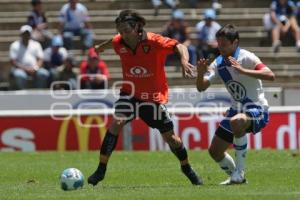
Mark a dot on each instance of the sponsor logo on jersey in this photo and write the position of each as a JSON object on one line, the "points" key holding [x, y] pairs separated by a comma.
{"points": [[139, 72], [237, 90]]}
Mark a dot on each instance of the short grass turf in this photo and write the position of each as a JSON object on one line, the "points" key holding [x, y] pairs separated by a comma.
{"points": [[148, 175]]}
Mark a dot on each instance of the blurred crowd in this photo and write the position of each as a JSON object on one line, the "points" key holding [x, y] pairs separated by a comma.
{"points": [[45, 59], [42, 57], [282, 19]]}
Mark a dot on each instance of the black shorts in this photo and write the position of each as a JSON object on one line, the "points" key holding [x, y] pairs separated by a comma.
{"points": [[224, 134], [227, 135], [153, 114]]}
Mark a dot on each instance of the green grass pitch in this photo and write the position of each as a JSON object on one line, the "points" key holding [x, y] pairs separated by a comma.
{"points": [[148, 175]]}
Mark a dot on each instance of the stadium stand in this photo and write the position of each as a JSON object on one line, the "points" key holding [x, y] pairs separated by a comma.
{"points": [[246, 14]]}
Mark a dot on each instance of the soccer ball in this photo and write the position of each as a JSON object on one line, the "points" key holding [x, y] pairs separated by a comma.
{"points": [[71, 179]]}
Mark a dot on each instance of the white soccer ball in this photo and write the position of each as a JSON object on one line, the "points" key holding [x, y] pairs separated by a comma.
{"points": [[71, 179]]}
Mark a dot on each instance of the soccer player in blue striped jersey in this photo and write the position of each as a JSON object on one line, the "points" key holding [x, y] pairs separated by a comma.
{"points": [[241, 72]]}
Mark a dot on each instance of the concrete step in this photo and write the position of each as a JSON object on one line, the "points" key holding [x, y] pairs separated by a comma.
{"points": [[21, 5], [196, 12], [14, 23]]}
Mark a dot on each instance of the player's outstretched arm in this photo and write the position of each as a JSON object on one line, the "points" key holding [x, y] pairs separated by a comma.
{"points": [[187, 68], [104, 45], [263, 73], [202, 68]]}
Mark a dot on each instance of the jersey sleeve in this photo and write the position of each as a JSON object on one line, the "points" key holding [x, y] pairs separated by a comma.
{"points": [[252, 62], [212, 74], [166, 44]]}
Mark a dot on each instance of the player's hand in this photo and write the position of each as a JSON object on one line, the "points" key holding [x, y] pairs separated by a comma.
{"points": [[202, 65], [233, 62], [187, 69]]}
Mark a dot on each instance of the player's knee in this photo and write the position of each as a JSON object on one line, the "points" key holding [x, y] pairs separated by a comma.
{"points": [[116, 126], [237, 124], [120, 120], [172, 139]]}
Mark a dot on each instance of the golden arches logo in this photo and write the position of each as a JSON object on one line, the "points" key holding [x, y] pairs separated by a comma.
{"points": [[82, 130]]}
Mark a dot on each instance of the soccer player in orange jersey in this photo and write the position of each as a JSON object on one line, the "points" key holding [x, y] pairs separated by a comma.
{"points": [[144, 91]]}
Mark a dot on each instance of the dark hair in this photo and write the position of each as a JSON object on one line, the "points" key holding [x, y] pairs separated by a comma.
{"points": [[35, 2], [229, 32], [130, 16]]}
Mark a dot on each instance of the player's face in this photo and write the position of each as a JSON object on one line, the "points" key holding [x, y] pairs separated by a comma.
{"points": [[126, 30], [226, 47]]}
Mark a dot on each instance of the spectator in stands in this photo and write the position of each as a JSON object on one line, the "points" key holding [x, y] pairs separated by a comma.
{"points": [[177, 29], [93, 72], [282, 18], [170, 3], [55, 56], [74, 21], [26, 56], [206, 35], [67, 78], [38, 21]]}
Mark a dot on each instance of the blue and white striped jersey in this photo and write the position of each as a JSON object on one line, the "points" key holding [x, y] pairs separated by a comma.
{"points": [[244, 90]]}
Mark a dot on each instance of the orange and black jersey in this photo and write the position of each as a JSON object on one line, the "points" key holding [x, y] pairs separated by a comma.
{"points": [[144, 67]]}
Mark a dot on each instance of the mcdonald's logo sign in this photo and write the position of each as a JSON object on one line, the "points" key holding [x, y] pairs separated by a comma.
{"points": [[82, 130]]}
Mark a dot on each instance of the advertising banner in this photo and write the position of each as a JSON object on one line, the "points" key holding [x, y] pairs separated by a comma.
{"points": [[76, 99], [41, 133]]}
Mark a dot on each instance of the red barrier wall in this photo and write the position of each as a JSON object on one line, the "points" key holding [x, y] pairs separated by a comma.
{"points": [[86, 133]]}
